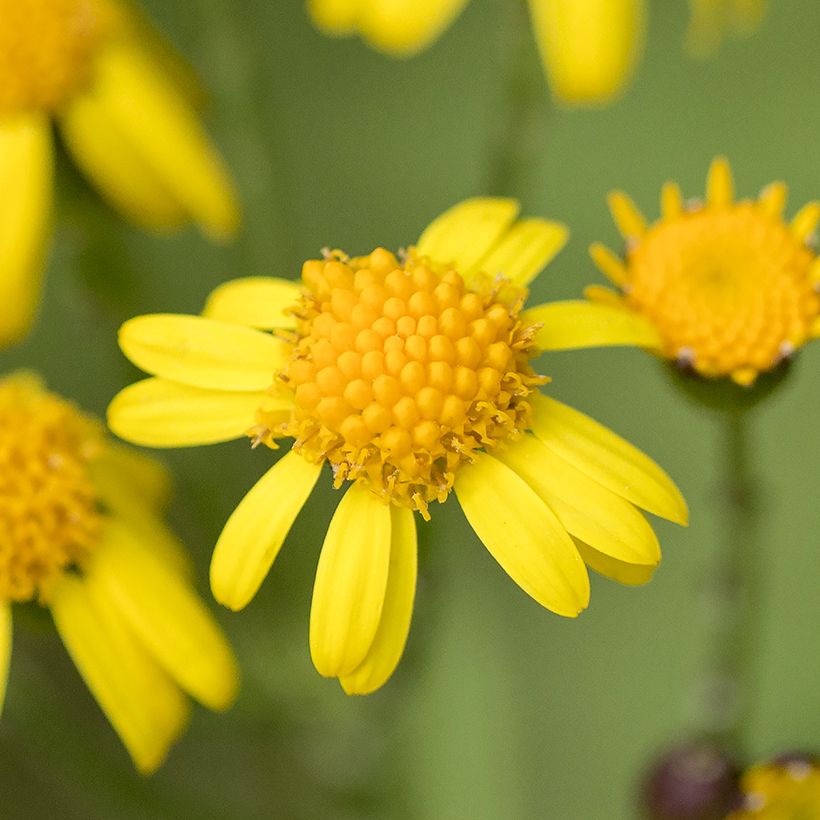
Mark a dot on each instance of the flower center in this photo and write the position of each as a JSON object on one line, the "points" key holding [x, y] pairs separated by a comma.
{"points": [[48, 511], [727, 289], [46, 48], [401, 372]]}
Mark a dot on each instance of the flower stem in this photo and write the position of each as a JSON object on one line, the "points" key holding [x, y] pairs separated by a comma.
{"points": [[733, 597]]}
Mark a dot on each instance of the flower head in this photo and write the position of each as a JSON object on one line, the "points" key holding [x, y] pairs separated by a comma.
{"points": [[589, 47], [784, 789], [722, 287], [411, 377], [92, 67], [81, 533]]}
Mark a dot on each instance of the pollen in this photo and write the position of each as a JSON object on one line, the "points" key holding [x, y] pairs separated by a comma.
{"points": [[730, 286], [49, 518], [46, 51], [401, 372]]}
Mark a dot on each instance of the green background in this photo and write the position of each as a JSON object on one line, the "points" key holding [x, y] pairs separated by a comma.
{"points": [[499, 709]]}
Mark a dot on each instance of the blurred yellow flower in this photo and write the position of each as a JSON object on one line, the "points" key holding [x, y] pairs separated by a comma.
{"points": [[90, 66], [787, 789], [724, 287], [410, 377], [589, 47], [81, 533], [711, 20]]}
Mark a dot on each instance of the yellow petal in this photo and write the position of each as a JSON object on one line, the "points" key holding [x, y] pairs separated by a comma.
{"points": [[604, 296], [586, 508], [719, 185], [166, 614], [523, 535], [123, 176], [165, 132], [257, 529], [623, 572], [147, 710], [589, 47], [146, 476], [335, 16], [394, 626], [773, 197], [578, 324], [805, 221], [5, 650], [629, 220], [405, 27], [607, 458], [525, 250], [255, 301], [26, 169], [159, 413], [671, 200], [609, 263], [202, 352], [351, 581], [463, 235]]}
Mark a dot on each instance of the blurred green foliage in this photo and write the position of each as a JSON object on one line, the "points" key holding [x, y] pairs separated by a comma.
{"points": [[499, 709]]}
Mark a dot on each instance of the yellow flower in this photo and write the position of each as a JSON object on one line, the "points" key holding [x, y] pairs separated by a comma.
{"points": [[711, 20], [787, 789], [723, 287], [589, 47], [81, 532], [409, 377], [95, 70]]}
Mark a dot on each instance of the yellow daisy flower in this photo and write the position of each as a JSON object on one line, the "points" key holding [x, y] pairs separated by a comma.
{"points": [[711, 20], [787, 789], [589, 47], [81, 533], [410, 378], [91, 67], [722, 287]]}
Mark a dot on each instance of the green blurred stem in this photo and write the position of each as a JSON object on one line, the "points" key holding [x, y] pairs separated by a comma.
{"points": [[733, 595]]}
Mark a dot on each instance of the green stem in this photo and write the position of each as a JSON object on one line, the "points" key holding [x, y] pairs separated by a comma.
{"points": [[733, 596]]}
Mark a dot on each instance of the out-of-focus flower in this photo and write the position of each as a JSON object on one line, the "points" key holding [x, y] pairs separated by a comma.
{"points": [[81, 533], [696, 781], [589, 47], [711, 20], [89, 66], [724, 287], [409, 377], [785, 789]]}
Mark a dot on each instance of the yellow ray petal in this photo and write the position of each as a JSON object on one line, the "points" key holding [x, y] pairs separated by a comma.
{"points": [[147, 710], [159, 413], [623, 572], [671, 200], [394, 626], [168, 617], [405, 27], [587, 510], [604, 296], [720, 189], [607, 458], [589, 47], [578, 324], [463, 235], [5, 649], [146, 476], [255, 301], [256, 530], [351, 581], [523, 535], [805, 221], [609, 263], [26, 169], [122, 175], [773, 197], [629, 220], [202, 352], [164, 130], [335, 16], [525, 250]]}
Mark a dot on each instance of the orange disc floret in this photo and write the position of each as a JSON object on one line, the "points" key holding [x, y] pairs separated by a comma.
{"points": [[49, 517], [401, 372]]}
